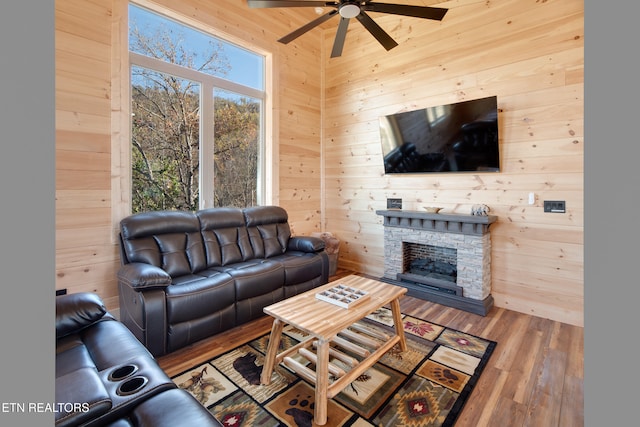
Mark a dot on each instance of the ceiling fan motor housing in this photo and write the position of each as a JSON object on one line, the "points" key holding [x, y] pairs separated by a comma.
{"points": [[349, 9]]}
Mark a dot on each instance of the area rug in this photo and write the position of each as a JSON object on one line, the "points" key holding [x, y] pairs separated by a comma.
{"points": [[427, 385]]}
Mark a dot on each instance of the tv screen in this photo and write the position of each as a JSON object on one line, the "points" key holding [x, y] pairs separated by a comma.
{"points": [[460, 137]]}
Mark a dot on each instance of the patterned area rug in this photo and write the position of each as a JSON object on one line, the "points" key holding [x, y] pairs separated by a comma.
{"points": [[427, 385]]}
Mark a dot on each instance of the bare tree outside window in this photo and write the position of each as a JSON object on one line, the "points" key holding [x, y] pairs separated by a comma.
{"points": [[165, 142], [166, 125], [236, 124]]}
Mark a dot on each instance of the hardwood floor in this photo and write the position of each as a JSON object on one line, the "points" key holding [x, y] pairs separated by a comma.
{"points": [[535, 377]]}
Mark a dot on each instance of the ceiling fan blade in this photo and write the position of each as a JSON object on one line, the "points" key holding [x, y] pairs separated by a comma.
{"points": [[300, 31], [436, 13], [289, 3], [341, 34], [377, 32]]}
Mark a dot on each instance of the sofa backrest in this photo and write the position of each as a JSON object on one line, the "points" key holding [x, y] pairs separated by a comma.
{"points": [[268, 229], [225, 236], [183, 242], [170, 240]]}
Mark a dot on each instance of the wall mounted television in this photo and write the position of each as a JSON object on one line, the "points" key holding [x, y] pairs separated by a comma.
{"points": [[459, 137]]}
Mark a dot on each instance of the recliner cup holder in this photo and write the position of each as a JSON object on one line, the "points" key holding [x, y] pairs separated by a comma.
{"points": [[122, 372], [131, 386]]}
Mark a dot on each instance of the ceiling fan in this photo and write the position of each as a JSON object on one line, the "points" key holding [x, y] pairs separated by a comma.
{"points": [[348, 9]]}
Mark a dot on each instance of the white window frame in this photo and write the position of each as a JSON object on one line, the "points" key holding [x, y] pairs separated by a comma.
{"points": [[208, 85], [121, 200]]}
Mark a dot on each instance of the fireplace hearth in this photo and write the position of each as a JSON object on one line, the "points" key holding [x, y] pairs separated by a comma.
{"points": [[444, 258]]}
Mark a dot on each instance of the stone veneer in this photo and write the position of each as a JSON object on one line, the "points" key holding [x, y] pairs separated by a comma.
{"points": [[467, 234]]}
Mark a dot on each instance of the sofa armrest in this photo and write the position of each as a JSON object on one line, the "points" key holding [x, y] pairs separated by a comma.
{"points": [[77, 311], [140, 276], [305, 244]]}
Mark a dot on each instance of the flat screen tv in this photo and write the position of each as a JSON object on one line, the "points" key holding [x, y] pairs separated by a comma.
{"points": [[460, 137]]}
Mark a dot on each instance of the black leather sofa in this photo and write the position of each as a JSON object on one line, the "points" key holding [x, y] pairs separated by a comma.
{"points": [[106, 377], [186, 276]]}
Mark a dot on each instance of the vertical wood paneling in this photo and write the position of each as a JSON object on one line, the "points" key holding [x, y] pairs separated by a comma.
{"points": [[531, 55]]}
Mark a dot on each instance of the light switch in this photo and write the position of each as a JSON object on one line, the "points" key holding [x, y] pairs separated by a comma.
{"points": [[532, 198]]}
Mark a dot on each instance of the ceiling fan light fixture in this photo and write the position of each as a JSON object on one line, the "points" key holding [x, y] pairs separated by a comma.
{"points": [[349, 10]]}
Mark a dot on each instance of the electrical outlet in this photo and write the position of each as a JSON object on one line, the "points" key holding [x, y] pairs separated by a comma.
{"points": [[555, 206]]}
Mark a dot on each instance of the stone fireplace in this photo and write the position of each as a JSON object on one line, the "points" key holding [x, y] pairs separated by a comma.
{"points": [[444, 258]]}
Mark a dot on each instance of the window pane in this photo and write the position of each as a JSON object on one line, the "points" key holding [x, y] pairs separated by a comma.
{"points": [[247, 66], [165, 141], [236, 149], [161, 38], [166, 169]]}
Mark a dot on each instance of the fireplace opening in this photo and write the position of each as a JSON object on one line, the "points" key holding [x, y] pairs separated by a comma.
{"points": [[429, 261]]}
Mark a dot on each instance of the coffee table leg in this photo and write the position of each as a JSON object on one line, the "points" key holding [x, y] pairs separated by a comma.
{"points": [[272, 351], [397, 323], [322, 382]]}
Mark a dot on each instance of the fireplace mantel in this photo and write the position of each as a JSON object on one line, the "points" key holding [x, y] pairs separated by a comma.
{"points": [[468, 235], [448, 223]]}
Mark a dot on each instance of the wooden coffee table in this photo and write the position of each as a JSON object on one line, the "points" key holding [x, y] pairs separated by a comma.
{"points": [[323, 322]]}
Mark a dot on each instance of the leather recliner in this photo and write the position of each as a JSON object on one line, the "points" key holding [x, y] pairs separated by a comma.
{"points": [[186, 276], [106, 377]]}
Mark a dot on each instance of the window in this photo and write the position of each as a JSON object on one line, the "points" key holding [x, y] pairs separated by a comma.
{"points": [[436, 114], [197, 106]]}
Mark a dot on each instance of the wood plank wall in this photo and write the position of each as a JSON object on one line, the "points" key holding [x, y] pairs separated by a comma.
{"points": [[87, 211], [325, 135], [528, 53], [86, 258]]}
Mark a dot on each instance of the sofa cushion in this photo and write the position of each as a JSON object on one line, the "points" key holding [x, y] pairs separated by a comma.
{"points": [[194, 296], [77, 311], [167, 239], [146, 224], [267, 240], [255, 277], [105, 344], [180, 253], [168, 409], [299, 267], [83, 397], [233, 245], [225, 236], [71, 354], [110, 343], [268, 229], [258, 215], [257, 283], [216, 218]]}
